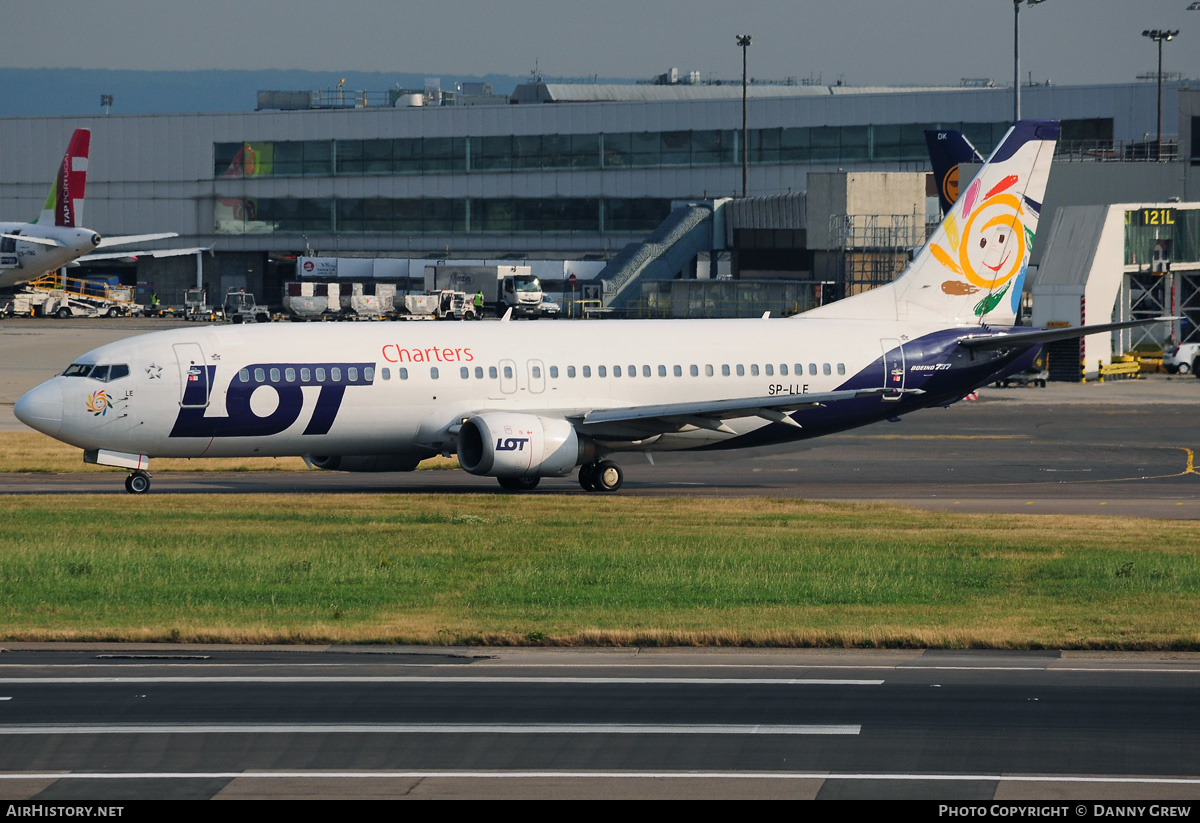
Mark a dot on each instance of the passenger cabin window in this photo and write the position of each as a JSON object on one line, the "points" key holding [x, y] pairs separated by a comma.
{"points": [[244, 375], [289, 375], [570, 371], [305, 375], [386, 372], [403, 373], [260, 376], [464, 372], [433, 372], [587, 371], [601, 371]]}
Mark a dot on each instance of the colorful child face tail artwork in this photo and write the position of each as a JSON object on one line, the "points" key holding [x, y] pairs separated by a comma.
{"points": [[984, 243]]}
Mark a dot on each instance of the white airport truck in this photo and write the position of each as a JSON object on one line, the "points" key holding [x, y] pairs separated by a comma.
{"points": [[503, 287]]}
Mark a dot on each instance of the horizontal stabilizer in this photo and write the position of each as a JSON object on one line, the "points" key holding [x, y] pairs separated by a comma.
{"points": [[135, 253], [41, 241], [1019, 339], [135, 238]]}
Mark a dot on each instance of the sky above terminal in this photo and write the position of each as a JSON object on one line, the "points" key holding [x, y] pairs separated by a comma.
{"points": [[860, 42]]}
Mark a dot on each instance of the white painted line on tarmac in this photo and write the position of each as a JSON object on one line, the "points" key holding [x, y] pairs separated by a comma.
{"points": [[602, 775], [429, 728], [568, 681]]}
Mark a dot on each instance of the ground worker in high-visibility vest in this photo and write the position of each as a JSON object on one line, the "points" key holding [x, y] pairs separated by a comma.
{"points": [[478, 305]]}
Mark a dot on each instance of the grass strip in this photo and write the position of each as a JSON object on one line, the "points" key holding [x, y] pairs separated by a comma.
{"points": [[567, 570]]}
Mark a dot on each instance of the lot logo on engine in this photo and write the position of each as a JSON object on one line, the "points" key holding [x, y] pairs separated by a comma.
{"points": [[511, 444]]}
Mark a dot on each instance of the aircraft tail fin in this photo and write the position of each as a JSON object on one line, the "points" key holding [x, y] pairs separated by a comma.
{"points": [[947, 149], [973, 267], [64, 204]]}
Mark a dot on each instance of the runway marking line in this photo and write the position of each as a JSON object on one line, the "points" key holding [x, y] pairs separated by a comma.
{"points": [[433, 728], [480, 679], [602, 775]]}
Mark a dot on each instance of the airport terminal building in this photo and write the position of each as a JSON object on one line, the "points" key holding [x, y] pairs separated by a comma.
{"points": [[555, 171]]}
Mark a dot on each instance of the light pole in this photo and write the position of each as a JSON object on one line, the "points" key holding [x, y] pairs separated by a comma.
{"points": [[743, 40], [1017, 55], [1158, 36]]}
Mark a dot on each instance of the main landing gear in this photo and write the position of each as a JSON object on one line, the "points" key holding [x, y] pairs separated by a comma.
{"points": [[601, 476], [138, 482]]}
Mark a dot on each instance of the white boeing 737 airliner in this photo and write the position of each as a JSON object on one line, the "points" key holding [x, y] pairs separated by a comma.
{"points": [[522, 401]]}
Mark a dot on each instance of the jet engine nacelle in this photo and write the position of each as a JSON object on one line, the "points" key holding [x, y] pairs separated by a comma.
{"points": [[366, 462], [503, 444]]}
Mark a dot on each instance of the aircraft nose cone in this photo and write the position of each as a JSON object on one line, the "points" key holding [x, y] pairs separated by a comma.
{"points": [[42, 408]]}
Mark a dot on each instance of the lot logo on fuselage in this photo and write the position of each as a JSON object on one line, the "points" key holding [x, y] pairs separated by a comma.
{"points": [[286, 380]]}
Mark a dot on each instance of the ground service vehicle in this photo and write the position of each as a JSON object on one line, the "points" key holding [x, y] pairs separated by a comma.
{"points": [[239, 307], [1183, 359], [503, 287]]}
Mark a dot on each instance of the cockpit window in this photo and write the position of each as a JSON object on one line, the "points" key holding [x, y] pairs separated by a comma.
{"points": [[105, 374]]}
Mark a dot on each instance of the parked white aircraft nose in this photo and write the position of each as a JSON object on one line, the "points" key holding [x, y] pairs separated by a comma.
{"points": [[42, 408]]}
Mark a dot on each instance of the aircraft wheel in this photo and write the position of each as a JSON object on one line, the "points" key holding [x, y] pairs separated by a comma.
{"points": [[587, 477], [1184, 368], [137, 483], [519, 484], [608, 476]]}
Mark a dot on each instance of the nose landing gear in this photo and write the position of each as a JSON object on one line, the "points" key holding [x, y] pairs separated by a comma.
{"points": [[138, 482], [601, 476]]}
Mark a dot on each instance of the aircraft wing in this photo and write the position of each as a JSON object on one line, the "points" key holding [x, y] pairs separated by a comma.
{"points": [[117, 255], [1016, 339], [126, 239], [635, 422]]}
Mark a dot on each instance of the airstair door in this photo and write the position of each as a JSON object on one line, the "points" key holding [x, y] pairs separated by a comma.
{"points": [[893, 368]]}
